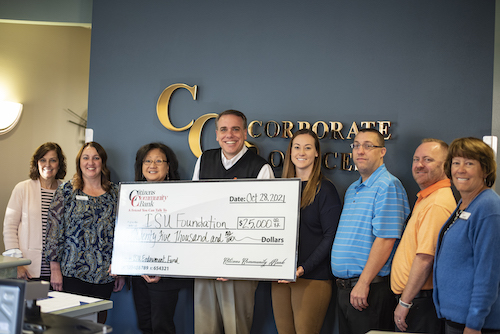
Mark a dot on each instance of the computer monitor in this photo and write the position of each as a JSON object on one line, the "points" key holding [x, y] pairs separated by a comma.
{"points": [[12, 293]]}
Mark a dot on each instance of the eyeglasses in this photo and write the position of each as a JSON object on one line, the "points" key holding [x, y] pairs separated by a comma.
{"points": [[367, 147], [157, 162]]}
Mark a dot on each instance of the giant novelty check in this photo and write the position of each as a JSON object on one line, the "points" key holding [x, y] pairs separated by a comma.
{"points": [[238, 229]]}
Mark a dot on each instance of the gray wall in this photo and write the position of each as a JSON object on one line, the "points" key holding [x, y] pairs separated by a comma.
{"points": [[424, 65], [427, 66]]}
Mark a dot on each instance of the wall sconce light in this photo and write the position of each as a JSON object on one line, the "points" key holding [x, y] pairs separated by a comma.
{"points": [[10, 113]]}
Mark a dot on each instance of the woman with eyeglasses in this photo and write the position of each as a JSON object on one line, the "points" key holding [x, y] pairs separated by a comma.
{"points": [[300, 307], [25, 222], [80, 229], [156, 297]]}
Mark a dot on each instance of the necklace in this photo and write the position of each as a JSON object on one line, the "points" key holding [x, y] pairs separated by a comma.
{"points": [[457, 215]]}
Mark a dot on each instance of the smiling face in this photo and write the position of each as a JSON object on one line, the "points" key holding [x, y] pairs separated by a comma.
{"points": [[48, 166], [231, 135], [152, 169], [90, 163], [468, 176], [368, 160], [428, 164], [303, 155]]}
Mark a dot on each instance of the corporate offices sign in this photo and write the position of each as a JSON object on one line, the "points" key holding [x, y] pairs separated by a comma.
{"points": [[272, 129]]}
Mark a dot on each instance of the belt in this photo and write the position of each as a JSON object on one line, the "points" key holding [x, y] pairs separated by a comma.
{"points": [[348, 283], [420, 294]]}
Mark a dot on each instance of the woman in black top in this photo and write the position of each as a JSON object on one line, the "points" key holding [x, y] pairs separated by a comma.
{"points": [[155, 297], [300, 307]]}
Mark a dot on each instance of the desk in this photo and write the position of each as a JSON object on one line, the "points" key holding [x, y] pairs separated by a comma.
{"points": [[57, 324], [8, 266], [73, 305]]}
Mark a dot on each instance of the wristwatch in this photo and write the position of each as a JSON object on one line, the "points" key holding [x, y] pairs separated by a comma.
{"points": [[405, 305]]}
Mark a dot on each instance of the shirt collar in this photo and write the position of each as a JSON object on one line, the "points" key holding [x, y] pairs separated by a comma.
{"points": [[433, 187], [228, 163], [371, 180]]}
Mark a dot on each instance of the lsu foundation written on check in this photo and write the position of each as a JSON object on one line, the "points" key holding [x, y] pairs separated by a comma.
{"points": [[236, 229]]}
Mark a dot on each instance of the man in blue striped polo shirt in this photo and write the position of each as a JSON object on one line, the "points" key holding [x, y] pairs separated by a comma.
{"points": [[375, 208]]}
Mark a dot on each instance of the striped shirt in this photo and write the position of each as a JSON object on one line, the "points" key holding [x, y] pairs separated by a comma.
{"points": [[47, 196], [377, 207]]}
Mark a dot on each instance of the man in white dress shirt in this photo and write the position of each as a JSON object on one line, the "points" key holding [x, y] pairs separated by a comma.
{"points": [[226, 306]]}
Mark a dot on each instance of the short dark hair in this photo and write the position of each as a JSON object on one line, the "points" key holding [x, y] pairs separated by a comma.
{"points": [[105, 173], [381, 140], [173, 164], [475, 149], [231, 112], [40, 152]]}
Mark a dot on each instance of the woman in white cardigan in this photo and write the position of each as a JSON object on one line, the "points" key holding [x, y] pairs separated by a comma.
{"points": [[24, 226]]}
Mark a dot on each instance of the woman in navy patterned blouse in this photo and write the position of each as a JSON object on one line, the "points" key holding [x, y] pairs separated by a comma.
{"points": [[80, 228]]}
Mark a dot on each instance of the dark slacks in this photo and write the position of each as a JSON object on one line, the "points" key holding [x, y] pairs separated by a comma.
{"points": [[75, 285], [377, 316], [422, 317], [154, 305]]}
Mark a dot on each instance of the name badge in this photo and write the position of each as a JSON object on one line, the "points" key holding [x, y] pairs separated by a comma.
{"points": [[464, 215], [82, 198]]}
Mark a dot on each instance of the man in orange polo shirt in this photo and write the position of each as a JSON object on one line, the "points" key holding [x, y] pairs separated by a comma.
{"points": [[411, 274]]}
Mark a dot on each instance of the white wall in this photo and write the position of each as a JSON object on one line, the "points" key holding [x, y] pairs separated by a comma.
{"points": [[46, 68]]}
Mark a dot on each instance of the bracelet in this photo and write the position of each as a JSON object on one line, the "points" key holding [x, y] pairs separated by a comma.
{"points": [[405, 305]]}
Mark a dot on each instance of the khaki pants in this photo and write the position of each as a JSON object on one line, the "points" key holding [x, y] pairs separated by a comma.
{"points": [[301, 307], [223, 307]]}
